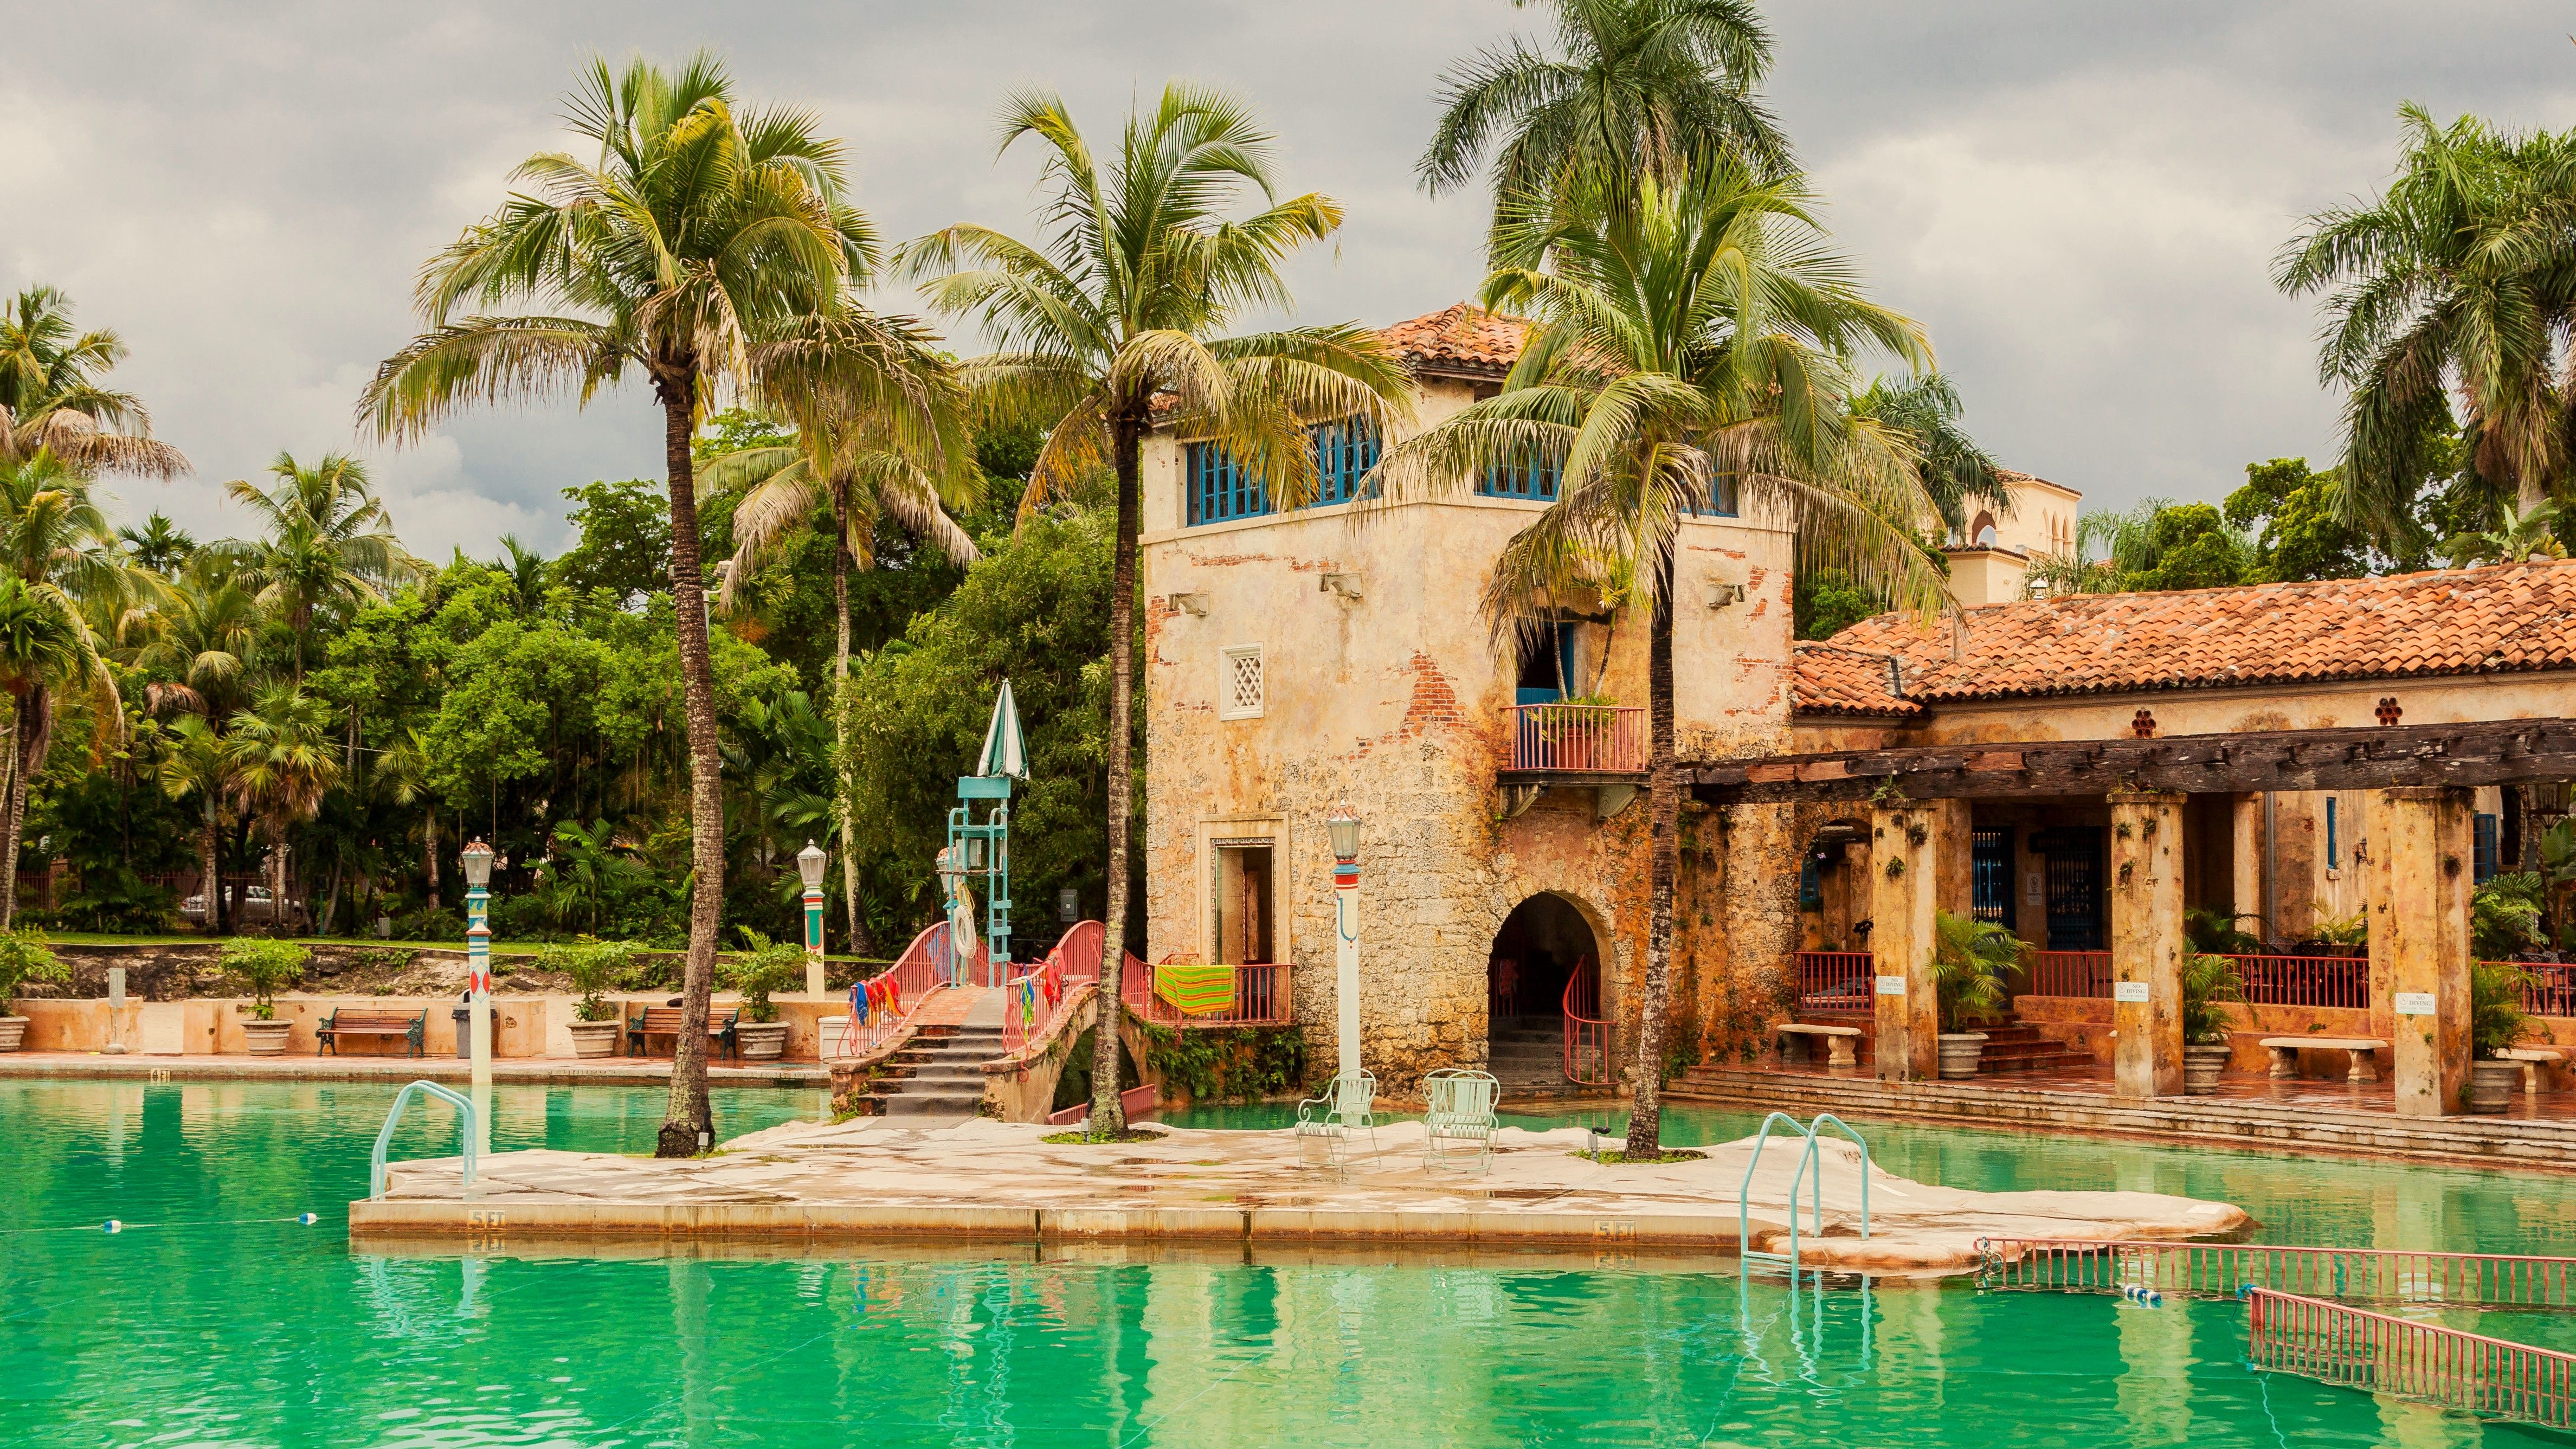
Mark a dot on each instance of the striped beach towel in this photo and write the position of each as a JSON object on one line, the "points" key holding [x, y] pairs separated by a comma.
{"points": [[1196, 990]]}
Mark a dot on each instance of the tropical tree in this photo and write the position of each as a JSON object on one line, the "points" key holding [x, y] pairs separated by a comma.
{"points": [[1633, 87], [159, 545], [858, 477], [700, 249], [53, 394], [1924, 413], [1693, 337], [1121, 309], [2520, 537], [198, 641], [583, 867], [280, 760], [528, 575], [325, 542], [2459, 280], [55, 543], [194, 764]]}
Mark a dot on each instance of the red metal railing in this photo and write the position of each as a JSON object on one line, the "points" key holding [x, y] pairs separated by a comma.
{"points": [[1835, 983], [2336, 981], [925, 966], [2084, 975], [1260, 997], [2222, 1270], [2550, 987], [1035, 999], [1579, 737], [2316, 1339], [1587, 1036]]}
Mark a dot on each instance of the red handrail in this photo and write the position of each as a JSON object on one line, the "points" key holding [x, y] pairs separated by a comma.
{"points": [[1587, 1037], [1835, 983], [2549, 988], [923, 968], [2381, 1354], [1074, 961], [1260, 997], [1579, 737]]}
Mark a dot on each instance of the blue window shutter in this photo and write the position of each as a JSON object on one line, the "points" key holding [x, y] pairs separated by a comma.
{"points": [[2483, 848], [2334, 856]]}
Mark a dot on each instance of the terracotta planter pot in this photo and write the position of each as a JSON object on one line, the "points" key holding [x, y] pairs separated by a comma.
{"points": [[2492, 1085], [2201, 1066], [1960, 1053], [13, 1033], [762, 1041], [596, 1038], [266, 1038]]}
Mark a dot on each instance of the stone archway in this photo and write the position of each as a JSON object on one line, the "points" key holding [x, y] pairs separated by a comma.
{"points": [[1544, 944]]}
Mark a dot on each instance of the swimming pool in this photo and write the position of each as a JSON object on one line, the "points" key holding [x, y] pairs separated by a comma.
{"points": [[228, 1326]]}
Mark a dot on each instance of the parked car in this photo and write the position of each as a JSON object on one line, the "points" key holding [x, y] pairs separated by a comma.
{"points": [[255, 904]]}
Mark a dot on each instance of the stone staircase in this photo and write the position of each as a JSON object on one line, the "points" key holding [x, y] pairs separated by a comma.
{"points": [[939, 1073], [2012, 1047], [1527, 1056]]}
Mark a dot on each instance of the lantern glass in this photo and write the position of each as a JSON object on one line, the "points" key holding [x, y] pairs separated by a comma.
{"points": [[477, 860], [1344, 826], [809, 864]]}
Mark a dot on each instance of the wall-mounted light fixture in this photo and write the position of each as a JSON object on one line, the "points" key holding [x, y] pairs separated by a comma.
{"points": [[1345, 586], [1194, 605], [1722, 592]]}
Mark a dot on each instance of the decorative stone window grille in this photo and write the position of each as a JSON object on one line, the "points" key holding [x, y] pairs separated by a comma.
{"points": [[1239, 686]]}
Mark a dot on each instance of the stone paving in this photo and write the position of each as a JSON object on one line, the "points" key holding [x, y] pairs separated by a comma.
{"points": [[397, 1068], [870, 1179]]}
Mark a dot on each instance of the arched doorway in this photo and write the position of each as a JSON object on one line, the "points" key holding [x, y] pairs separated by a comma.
{"points": [[1544, 946]]}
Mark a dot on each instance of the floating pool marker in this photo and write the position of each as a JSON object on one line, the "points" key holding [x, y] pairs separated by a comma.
{"points": [[307, 1219], [111, 1226], [2137, 1293]]}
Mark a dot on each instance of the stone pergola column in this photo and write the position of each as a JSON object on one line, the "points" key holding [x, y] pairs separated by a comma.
{"points": [[2422, 838], [2147, 942], [1905, 884]]}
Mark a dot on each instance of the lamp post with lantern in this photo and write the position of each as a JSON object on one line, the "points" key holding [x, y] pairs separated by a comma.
{"points": [[477, 860], [1343, 825], [809, 864]]}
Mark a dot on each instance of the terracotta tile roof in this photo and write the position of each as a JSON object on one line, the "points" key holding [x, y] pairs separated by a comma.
{"points": [[1464, 338], [2505, 618], [1829, 679]]}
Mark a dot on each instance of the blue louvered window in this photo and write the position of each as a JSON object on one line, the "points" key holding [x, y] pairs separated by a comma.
{"points": [[1221, 490], [2484, 856], [1526, 476], [2334, 845]]}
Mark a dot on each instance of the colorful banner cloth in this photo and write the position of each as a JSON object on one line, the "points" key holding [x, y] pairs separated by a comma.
{"points": [[1196, 990]]}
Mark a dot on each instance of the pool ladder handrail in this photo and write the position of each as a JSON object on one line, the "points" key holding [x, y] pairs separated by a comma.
{"points": [[1746, 1254], [385, 1136]]}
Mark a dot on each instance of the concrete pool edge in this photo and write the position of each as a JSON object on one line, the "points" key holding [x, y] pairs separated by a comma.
{"points": [[542, 1071], [2546, 1145]]}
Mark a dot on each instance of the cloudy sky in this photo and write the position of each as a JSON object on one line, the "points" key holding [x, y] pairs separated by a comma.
{"points": [[2081, 201]]}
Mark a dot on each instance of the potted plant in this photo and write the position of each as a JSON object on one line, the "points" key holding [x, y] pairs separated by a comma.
{"points": [[593, 966], [266, 966], [24, 957], [769, 966], [2209, 982], [1970, 961], [2341, 935], [2496, 1021]]}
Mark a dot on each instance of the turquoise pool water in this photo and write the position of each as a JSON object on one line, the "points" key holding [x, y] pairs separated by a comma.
{"points": [[223, 1326]]}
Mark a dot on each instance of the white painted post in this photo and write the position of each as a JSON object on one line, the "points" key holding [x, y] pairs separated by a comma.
{"points": [[1344, 826]]}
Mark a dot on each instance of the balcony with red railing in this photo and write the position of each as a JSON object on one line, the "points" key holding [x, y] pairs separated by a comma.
{"points": [[1835, 983], [1579, 739], [1260, 998]]}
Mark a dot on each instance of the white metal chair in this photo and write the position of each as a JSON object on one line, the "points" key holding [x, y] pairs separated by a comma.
{"points": [[1326, 1124], [1458, 1130]]}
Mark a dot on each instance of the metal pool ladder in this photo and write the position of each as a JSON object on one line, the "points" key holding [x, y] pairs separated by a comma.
{"points": [[1746, 1255], [464, 1131]]}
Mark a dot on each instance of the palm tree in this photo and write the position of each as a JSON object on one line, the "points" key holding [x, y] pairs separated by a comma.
{"points": [[2519, 538], [280, 761], [527, 572], [52, 395], [1692, 335], [193, 762], [159, 545], [700, 246], [1954, 466], [2460, 279], [582, 865], [1121, 309], [325, 542], [42, 643], [55, 542], [198, 641], [849, 464], [1635, 87]]}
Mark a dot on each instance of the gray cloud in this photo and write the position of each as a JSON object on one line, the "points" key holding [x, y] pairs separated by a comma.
{"points": [[2081, 201]]}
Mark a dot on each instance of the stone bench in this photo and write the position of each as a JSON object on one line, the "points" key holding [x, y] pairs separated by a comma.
{"points": [[2532, 1059], [2285, 1053], [1841, 1042]]}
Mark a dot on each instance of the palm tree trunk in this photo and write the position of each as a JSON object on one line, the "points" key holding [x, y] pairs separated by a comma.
{"points": [[429, 854], [860, 945], [28, 743], [1107, 1118], [687, 1124], [214, 888], [9, 791], [277, 879], [1663, 794]]}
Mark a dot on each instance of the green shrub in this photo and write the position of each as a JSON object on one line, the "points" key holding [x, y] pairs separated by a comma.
{"points": [[1971, 961], [2504, 916], [2496, 1017], [593, 966], [769, 966], [2208, 984], [265, 965], [25, 957]]}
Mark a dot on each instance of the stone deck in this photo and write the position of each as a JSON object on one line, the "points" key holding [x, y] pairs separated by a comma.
{"points": [[997, 1182], [2301, 1114]]}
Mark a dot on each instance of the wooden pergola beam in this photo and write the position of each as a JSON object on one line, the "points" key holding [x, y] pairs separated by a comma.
{"points": [[2486, 752]]}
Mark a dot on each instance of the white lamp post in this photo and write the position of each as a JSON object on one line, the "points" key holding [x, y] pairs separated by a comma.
{"points": [[477, 861], [1344, 827], [809, 864]]}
